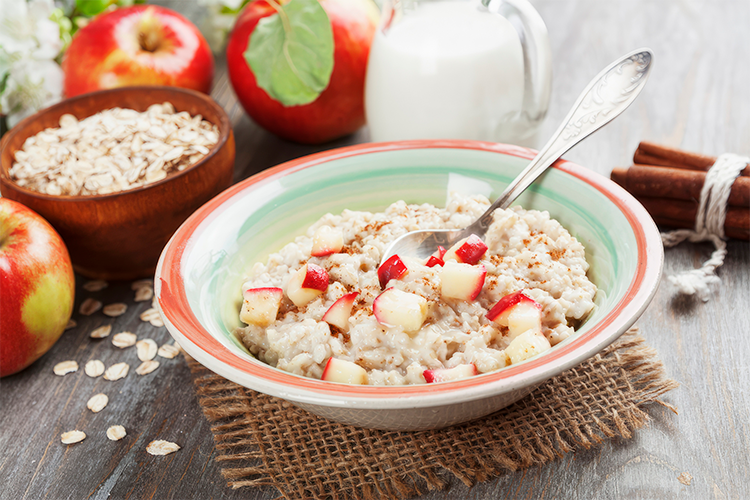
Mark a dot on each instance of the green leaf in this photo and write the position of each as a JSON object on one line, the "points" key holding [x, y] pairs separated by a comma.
{"points": [[291, 52], [91, 7]]}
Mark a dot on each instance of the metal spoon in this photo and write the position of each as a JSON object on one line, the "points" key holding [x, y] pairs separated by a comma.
{"points": [[605, 97]]}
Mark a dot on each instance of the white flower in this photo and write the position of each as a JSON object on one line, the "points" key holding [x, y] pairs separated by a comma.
{"points": [[29, 43], [219, 21]]}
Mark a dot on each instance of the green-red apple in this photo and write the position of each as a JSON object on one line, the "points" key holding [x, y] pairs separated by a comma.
{"points": [[37, 286], [138, 45]]}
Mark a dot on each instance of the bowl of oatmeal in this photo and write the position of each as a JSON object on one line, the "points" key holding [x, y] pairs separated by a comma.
{"points": [[117, 171], [277, 283]]}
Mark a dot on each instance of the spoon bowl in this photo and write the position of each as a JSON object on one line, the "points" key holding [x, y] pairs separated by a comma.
{"points": [[604, 98]]}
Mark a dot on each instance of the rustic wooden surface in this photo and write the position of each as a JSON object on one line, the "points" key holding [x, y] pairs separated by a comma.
{"points": [[698, 98]]}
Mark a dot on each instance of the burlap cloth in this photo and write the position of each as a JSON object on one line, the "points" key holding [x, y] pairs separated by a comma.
{"points": [[267, 441]]}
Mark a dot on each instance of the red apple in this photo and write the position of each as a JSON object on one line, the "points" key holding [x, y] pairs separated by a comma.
{"points": [[469, 250], [338, 314], [261, 305], [450, 374], [397, 308], [434, 261], [344, 372], [391, 269], [38, 287], [461, 281], [339, 109], [138, 45], [327, 241], [518, 312], [306, 284]]}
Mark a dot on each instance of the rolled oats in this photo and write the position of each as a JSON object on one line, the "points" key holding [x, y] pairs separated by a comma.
{"points": [[147, 367], [89, 307], [152, 316], [72, 437], [116, 371], [168, 351], [65, 367], [147, 349], [101, 332], [114, 150], [124, 339], [141, 283], [97, 402], [71, 324], [116, 432], [95, 286], [144, 293], [94, 368], [114, 310], [161, 447]]}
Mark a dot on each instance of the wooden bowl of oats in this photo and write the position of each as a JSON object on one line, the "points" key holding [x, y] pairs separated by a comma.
{"points": [[117, 171]]}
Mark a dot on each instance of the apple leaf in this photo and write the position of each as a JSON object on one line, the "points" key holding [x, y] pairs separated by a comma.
{"points": [[291, 52], [92, 7]]}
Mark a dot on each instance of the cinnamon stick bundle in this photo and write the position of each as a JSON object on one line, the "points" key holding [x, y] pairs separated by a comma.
{"points": [[668, 183]]}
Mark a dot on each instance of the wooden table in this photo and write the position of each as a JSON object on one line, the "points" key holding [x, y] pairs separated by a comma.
{"points": [[698, 98]]}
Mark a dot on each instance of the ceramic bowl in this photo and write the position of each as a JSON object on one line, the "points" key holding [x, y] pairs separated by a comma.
{"points": [[121, 235], [199, 275]]}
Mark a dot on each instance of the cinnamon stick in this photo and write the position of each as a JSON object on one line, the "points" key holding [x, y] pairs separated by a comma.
{"points": [[649, 153], [682, 213], [675, 183]]}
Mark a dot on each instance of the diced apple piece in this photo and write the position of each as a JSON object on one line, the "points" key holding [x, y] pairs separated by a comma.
{"points": [[344, 372], [394, 307], [440, 252], [526, 345], [261, 305], [434, 261], [392, 269], [518, 312], [461, 281], [450, 374], [306, 284], [468, 250], [338, 314], [326, 241]]}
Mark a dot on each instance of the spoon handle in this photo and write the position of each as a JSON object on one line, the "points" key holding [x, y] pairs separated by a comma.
{"points": [[605, 97]]}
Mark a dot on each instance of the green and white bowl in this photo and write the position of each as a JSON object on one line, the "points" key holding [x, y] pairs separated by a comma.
{"points": [[199, 276]]}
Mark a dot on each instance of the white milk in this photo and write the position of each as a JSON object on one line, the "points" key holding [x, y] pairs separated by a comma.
{"points": [[447, 70]]}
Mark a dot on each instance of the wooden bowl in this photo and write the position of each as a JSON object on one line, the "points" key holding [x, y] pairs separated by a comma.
{"points": [[120, 235]]}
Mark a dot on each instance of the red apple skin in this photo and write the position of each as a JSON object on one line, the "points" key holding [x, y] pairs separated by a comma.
{"points": [[38, 287], [434, 261], [106, 53], [448, 374], [339, 110], [391, 269], [472, 250], [339, 312], [509, 301], [316, 278]]}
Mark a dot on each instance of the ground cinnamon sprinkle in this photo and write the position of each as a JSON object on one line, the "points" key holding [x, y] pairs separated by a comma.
{"points": [[556, 253]]}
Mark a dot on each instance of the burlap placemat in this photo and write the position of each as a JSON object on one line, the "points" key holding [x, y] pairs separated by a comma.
{"points": [[267, 441]]}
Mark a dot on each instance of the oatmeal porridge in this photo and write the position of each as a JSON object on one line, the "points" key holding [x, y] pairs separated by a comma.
{"points": [[324, 307]]}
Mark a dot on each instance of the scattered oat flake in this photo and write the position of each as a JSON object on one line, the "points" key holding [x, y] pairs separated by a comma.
{"points": [[72, 437], [116, 432], [685, 478], [144, 293], [89, 307], [149, 314], [116, 371], [71, 324], [101, 332], [95, 286], [168, 351], [94, 368], [124, 339], [161, 447], [97, 402], [65, 367], [114, 310], [147, 349], [147, 367], [141, 284]]}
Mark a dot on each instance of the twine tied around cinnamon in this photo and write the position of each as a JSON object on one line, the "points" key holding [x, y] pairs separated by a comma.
{"points": [[709, 226]]}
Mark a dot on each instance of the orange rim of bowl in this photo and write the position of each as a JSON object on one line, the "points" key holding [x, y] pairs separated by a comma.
{"points": [[225, 129], [175, 306]]}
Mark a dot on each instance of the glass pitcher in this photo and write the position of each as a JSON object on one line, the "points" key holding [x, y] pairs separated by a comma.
{"points": [[458, 69]]}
